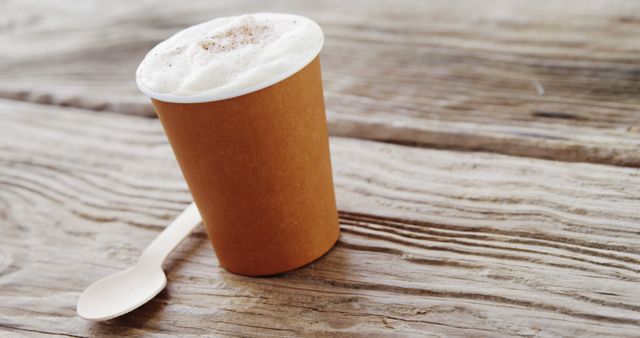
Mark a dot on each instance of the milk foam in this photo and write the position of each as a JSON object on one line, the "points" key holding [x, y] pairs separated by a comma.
{"points": [[229, 56]]}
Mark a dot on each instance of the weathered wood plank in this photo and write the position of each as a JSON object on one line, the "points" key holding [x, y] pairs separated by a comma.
{"points": [[547, 79], [434, 242]]}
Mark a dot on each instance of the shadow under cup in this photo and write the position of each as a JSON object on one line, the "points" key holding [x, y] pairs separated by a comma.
{"points": [[259, 170]]}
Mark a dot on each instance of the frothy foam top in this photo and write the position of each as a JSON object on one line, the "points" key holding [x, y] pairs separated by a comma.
{"points": [[228, 57]]}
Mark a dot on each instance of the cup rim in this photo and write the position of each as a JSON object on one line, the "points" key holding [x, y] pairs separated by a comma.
{"points": [[229, 94]]}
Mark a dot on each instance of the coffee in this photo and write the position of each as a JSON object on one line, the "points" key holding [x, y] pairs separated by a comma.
{"points": [[226, 57], [241, 102]]}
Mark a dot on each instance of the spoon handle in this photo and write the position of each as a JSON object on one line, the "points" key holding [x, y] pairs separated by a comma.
{"points": [[172, 235]]}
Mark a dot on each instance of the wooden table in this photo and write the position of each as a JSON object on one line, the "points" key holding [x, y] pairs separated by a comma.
{"points": [[486, 159]]}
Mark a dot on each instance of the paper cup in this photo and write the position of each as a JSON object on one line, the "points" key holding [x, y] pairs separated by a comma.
{"points": [[259, 170]]}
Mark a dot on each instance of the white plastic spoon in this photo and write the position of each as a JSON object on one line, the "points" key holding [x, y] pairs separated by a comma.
{"points": [[126, 290]]}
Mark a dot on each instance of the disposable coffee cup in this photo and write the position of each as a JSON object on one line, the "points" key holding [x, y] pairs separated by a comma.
{"points": [[257, 162]]}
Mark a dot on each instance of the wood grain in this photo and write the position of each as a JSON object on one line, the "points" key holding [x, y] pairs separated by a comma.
{"points": [[434, 242], [547, 79]]}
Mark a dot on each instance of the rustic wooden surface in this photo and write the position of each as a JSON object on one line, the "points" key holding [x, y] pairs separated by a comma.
{"points": [[549, 79], [435, 242]]}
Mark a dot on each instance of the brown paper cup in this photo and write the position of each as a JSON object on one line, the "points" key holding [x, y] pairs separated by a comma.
{"points": [[259, 170]]}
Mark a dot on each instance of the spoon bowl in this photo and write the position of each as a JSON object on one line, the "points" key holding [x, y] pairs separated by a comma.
{"points": [[117, 294]]}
